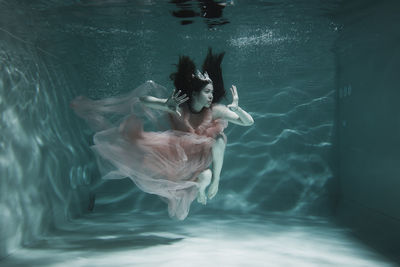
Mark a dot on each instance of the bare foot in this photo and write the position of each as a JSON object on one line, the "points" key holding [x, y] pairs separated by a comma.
{"points": [[204, 180], [201, 197]]}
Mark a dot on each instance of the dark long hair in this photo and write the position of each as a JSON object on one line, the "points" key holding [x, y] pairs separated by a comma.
{"points": [[212, 65], [186, 81]]}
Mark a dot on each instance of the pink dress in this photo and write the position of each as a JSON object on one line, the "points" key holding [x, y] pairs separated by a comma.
{"points": [[166, 163]]}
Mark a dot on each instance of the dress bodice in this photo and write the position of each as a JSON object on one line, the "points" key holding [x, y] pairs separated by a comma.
{"points": [[200, 123]]}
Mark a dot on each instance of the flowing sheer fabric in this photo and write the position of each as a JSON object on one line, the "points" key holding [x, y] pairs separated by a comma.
{"points": [[161, 161]]}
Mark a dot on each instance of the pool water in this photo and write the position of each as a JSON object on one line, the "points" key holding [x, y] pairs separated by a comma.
{"points": [[278, 188]]}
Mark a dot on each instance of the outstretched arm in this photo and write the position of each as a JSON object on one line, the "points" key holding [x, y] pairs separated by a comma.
{"points": [[233, 113], [170, 104]]}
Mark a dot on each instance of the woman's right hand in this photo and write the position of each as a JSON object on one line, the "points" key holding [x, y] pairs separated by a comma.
{"points": [[175, 100]]}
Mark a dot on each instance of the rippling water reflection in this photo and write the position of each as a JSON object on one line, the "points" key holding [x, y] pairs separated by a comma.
{"points": [[52, 51], [39, 181]]}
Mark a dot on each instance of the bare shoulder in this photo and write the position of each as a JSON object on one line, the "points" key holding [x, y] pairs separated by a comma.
{"points": [[218, 110]]}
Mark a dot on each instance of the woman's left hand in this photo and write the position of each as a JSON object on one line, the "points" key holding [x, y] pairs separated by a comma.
{"points": [[235, 102]]}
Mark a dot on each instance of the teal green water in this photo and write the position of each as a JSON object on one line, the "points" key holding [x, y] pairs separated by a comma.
{"points": [[278, 54]]}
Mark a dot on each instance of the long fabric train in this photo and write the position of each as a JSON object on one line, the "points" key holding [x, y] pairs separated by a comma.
{"points": [[165, 160]]}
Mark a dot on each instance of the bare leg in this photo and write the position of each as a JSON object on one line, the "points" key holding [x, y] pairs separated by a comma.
{"points": [[218, 151], [204, 180]]}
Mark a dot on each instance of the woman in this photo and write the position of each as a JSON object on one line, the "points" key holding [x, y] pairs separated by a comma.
{"points": [[173, 164]]}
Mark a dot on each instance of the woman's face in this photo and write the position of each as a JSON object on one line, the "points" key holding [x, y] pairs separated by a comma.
{"points": [[205, 96]]}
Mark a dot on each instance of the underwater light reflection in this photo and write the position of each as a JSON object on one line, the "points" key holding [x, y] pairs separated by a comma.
{"points": [[231, 240]]}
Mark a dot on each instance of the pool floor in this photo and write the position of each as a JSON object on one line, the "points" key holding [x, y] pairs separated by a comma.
{"points": [[201, 240]]}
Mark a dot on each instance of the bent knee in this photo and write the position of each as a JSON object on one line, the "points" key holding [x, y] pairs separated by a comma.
{"points": [[220, 139], [220, 142], [205, 175]]}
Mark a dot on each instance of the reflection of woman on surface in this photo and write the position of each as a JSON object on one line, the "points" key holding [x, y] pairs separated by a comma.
{"points": [[172, 164], [198, 93]]}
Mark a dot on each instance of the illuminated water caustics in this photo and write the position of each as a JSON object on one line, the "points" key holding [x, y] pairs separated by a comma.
{"points": [[284, 70], [235, 240]]}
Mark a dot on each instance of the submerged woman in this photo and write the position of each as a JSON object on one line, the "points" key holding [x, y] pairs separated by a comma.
{"points": [[174, 164]]}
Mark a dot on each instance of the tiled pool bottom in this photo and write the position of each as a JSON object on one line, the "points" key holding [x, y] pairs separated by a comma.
{"points": [[226, 240]]}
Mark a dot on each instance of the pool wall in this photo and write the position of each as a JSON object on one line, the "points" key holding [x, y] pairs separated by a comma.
{"points": [[38, 191], [368, 121]]}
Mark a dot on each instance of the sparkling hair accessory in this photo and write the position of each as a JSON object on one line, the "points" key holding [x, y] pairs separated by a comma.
{"points": [[202, 76]]}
